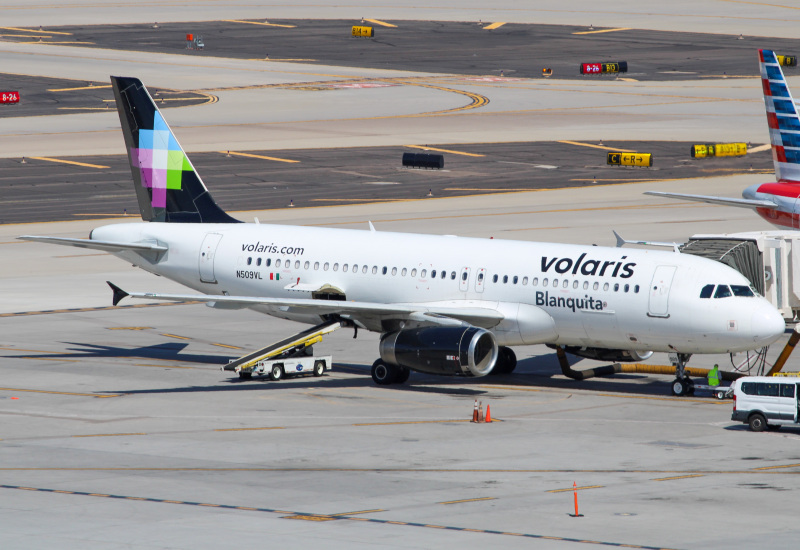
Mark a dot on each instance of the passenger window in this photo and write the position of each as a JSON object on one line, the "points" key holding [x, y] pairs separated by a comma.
{"points": [[336, 266], [566, 283], [555, 282], [258, 261], [595, 286], [324, 267], [344, 268], [394, 271], [707, 291], [424, 272], [525, 281], [515, 279], [297, 264], [403, 273], [464, 276], [385, 270], [544, 282], [768, 389], [749, 388], [305, 265], [355, 268], [636, 289], [414, 272], [269, 261], [742, 290], [722, 292], [249, 261], [364, 270], [585, 285], [433, 274], [452, 275], [374, 269], [787, 390], [616, 287], [605, 286], [505, 279], [316, 266], [575, 284], [535, 281], [627, 288], [480, 277]]}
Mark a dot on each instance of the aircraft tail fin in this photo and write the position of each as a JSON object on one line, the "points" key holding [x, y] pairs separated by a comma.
{"points": [[167, 186], [782, 118]]}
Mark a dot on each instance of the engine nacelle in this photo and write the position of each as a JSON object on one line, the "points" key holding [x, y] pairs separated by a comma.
{"points": [[467, 351], [603, 354]]}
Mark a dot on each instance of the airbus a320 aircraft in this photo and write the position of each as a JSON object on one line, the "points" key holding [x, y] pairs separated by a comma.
{"points": [[777, 202], [444, 305]]}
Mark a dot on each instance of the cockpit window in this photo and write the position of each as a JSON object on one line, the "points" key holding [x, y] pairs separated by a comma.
{"points": [[723, 291], [707, 291], [742, 290]]}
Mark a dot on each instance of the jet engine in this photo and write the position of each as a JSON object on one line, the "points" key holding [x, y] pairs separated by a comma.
{"points": [[466, 351], [603, 354]]}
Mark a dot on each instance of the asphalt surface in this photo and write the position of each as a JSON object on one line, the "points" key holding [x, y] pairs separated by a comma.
{"points": [[517, 50], [41, 96], [48, 189]]}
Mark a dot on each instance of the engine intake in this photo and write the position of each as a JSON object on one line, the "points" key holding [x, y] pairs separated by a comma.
{"points": [[469, 351]]}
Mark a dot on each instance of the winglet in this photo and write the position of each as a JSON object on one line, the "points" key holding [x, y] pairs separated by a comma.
{"points": [[119, 294], [620, 241]]}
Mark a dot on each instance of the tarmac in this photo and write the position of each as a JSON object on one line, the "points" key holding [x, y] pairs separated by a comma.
{"points": [[121, 431]]}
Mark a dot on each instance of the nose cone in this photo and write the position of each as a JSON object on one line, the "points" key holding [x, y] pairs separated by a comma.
{"points": [[767, 324]]}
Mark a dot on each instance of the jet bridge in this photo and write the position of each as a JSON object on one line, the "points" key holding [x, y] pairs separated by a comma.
{"points": [[299, 344]]}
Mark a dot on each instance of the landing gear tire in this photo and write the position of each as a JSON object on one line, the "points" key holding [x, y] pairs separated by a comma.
{"points": [[276, 372], [680, 387], [384, 374], [757, 422], [506, 361], [402, 375], [245, 375], [319, 368]]}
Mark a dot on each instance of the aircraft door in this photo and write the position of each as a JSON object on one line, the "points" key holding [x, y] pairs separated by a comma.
{"points": [[463, 282], [659, 291], [208, 250], [480, 279]]}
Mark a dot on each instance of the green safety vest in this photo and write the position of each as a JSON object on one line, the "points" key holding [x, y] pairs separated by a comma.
{"points": [[713, 376]]}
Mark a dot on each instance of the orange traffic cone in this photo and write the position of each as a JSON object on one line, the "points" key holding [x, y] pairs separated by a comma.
{"points": [[488, 413], [475, 412]]}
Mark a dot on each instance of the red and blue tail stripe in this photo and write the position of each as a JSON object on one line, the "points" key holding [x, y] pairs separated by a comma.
{"points": [[782, 118]]}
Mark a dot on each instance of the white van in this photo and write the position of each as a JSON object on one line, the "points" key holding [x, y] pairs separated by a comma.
{"points": [[765, 402]]}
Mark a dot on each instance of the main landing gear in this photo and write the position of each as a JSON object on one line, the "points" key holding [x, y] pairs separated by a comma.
{"points": [[385, 374], [682, 385], [506, 361]]}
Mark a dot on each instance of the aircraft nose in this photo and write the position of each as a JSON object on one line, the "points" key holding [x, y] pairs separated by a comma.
{"points": [[768, 324]]}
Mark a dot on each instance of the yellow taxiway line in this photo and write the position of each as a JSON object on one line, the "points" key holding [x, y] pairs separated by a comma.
{"points": [[250, 155], [604, 30], [72, 162]]}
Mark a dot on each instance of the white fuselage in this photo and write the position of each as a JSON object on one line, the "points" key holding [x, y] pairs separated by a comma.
{"points": [[632, 299]]}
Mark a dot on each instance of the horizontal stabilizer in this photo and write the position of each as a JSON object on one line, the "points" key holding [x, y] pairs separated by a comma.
{"points": [[108, 246], [119, 294], [725, 201]]}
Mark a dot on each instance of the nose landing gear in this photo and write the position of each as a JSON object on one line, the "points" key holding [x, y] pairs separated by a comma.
{"points": [[682, 385]]}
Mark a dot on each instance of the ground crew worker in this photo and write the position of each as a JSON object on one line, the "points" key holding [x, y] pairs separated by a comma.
{"points": [[713, 376]]}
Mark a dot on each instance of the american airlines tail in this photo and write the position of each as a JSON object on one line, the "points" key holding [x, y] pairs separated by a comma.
{"points": [[782, 119], [167, 186]]}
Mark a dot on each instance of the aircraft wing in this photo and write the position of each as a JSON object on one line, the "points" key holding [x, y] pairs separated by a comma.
{"points": [[725, 201], [107, 246], [426, 313]]}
